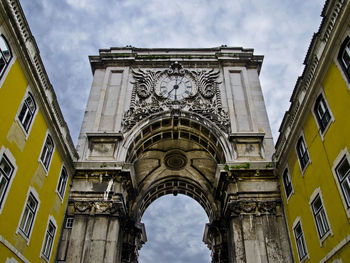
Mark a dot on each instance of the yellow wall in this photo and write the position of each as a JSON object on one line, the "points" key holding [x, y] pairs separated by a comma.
{"points": [[319, 174], [30, 172]]}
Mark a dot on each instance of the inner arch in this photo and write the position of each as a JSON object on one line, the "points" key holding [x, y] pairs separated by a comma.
{"points": [[176, 185], [177, 128]]}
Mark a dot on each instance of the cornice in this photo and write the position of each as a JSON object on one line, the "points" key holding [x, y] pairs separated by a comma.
{"points": [[318, 57], [160, 57], [31, 55]]}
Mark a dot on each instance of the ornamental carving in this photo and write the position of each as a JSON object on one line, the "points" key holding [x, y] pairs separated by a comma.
{"points": [[99, 207], [144, 82], [83, 206], [156, 91], [252, 207], [207, 82]]}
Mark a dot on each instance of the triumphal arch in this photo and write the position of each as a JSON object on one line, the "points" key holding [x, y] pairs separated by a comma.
{"points": [[175, 121]]}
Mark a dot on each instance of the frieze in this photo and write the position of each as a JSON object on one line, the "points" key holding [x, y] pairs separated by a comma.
{"points": [[236, 208], [99, 207], [176, 88]]}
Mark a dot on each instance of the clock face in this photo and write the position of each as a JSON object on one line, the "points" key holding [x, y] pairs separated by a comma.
{"points": [[175, 87]]}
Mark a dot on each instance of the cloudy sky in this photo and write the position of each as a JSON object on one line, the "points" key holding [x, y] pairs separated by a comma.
{"points": [[67, 31]]}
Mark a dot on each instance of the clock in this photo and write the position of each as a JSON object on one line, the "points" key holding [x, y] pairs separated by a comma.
{"points": [[175, 87]]}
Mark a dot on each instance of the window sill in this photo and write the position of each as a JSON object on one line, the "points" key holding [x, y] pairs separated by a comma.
{"points": [[323, 134], [329, 233], [43, 166], [20, 232], [303, 170]]}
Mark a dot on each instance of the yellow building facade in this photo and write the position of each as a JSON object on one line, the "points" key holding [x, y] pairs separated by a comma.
{"points": [[36, 151], [312, 151]]}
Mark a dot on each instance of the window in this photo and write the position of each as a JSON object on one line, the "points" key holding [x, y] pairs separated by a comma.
{"points": [[62, 182], [5, 55], [344, 57], [48, 240], [47, 151], [28, 215], [288, 187], [343, 174], [69, 222], [303, 155], [320, 216], [6, 171], [322, 114], [300, 241], [27, 112]]}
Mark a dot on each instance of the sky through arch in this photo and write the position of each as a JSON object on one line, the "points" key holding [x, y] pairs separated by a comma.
{"points": [[174, 227]]}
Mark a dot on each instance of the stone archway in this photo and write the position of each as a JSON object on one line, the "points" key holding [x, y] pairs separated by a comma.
{"points": [[154, 126], [175, 155]]}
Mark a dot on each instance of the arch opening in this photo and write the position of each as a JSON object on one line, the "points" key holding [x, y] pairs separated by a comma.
{"points": [[175, 227]]}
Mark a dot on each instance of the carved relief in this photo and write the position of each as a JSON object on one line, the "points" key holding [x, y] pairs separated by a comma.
{"points": [[99, 207], [252, 207], [207, 82], [176, 88], [144, 82], [83, 206]]}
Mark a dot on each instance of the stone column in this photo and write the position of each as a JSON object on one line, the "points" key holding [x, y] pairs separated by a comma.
{"points": [[257, 233], [96, 232], [113, 236], [98, 239], [236, 244], [216, 238], [76, 242], [134, 236]]}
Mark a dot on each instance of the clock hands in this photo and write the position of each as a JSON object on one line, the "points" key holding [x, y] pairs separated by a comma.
{"points": [[175, 87], [180, 87]]}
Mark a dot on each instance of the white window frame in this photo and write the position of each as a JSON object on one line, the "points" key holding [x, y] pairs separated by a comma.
{"points": [[43, 247], [337, 160], [26, 133], [6, 152], [306, 149], [41, 152], [13, 59], [317, 193], [284, 186], [35, 194], [339, 60], [61, 196], [322, 134], [69, 222], [296, 222]]}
